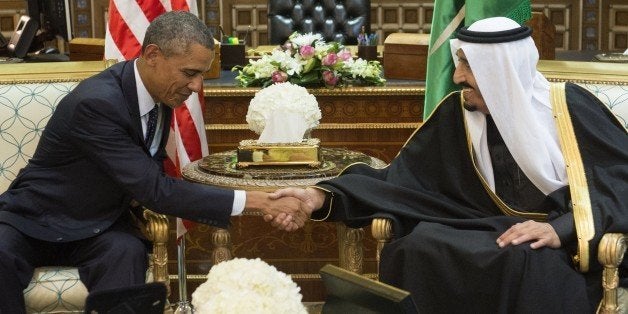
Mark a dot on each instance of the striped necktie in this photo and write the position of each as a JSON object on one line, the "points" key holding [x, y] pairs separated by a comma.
{"points": [[151, 125]]}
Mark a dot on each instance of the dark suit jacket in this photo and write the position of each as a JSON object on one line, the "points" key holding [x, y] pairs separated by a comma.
{"points": [[91, 162]]}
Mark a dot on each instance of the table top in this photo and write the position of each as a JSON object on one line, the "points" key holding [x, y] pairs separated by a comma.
{"points": [[220, 170]]}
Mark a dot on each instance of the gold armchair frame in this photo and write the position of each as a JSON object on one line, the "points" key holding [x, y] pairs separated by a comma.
{"points": [[612, 247]]}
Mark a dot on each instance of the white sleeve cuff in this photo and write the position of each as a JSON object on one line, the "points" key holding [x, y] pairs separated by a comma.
{"points": [[239, 200]]}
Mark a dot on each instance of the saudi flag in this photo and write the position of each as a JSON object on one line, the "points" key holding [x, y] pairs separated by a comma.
{"points": [[448, 16]]}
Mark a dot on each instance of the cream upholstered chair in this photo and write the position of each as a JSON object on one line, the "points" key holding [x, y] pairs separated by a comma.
{"points": [[609, 83], [29, 94]]}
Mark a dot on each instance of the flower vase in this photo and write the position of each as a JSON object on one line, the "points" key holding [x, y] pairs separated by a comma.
{"points": [[367, 52]]}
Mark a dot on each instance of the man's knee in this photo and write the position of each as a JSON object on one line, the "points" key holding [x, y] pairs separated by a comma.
{"points": [[121, 260]]}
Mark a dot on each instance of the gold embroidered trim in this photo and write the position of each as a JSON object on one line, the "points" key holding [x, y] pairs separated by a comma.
{"points": [[331, 203], [578, 188]]}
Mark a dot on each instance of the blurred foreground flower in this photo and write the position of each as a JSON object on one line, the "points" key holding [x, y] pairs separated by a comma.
{"points": [[245, 285]]}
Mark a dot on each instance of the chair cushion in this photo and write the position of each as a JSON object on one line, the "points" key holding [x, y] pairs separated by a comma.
{"points": [[55, 290]]}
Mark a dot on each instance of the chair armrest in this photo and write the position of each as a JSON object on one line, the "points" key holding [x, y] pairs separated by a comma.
{"points": [[156, 230], [381, 228], [610, 254]]}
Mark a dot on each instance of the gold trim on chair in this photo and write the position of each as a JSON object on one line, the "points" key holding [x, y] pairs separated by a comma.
{"points": [[584, 72], [156, 230], [51, 72], [381, 229], [610, 254]]}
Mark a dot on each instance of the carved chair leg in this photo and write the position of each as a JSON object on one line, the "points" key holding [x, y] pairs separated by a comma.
{"points": [[351, 248], [610, 254], [381, 230], [156, 229], [221, 239]]}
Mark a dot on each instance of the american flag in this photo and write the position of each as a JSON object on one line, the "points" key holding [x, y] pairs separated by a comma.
{"points": [[128, 20]]}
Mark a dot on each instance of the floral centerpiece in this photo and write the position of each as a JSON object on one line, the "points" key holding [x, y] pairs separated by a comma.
{"points": [[247, 286], [307, 60]]}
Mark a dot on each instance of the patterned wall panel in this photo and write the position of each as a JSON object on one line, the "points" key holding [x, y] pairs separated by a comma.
{"points": [[560, 16], [580, 24], [388, 18], [617, 27], [250, 21], [82, 18], [397, 16], [209, 11], [8, 20]]}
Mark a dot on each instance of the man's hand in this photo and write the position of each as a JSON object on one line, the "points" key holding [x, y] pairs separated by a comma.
{"points": [[311, 200], [540, 233], [289, 209]]}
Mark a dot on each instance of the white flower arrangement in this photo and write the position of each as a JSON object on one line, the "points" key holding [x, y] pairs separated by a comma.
{"points": [[282, 98], [307, 60], [247, 286]]}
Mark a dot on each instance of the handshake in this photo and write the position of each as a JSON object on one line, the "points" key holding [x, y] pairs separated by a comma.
{"points": [[286, 209]]}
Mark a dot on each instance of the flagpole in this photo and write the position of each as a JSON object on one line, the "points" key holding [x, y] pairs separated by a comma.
{"points": [[184, 306]]}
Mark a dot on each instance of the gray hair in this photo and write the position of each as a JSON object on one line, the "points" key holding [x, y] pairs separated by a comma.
{"points": [[173, 32]]}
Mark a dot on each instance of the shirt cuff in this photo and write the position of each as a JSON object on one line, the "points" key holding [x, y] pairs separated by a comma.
{"points": [[239, 200]]}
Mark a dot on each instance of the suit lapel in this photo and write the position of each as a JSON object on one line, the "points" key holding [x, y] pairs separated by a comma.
{"points": [[129, 90]]}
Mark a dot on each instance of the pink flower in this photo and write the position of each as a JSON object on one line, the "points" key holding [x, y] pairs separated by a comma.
{"points": [[330, 78], [279, 77], [344, 55], [330, 59], [306, 51]]}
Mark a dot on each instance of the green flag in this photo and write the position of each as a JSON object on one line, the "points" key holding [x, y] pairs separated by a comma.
{"points": [[448, 16]]}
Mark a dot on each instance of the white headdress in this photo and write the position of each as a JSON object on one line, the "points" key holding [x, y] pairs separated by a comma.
{"points": [[517, 96]]}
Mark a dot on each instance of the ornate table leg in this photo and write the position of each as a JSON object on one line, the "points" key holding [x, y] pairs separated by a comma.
{"points": [[221, 239], [350, 248]]}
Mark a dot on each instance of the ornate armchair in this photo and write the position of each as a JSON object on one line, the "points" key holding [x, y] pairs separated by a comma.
{"points": [[29, 94], [610, 85], [339, 21]]}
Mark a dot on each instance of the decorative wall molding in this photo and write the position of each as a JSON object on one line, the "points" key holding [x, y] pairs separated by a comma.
{"points": [[580, 24]]}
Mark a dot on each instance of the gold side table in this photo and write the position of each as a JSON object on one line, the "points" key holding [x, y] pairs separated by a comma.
{"points": [[219, 170]]}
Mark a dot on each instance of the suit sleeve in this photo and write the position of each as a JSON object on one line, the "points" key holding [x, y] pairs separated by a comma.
{"points": [[103, 133]]}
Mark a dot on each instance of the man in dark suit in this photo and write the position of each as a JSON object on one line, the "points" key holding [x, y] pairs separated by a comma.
{"points": [[100, 154]]}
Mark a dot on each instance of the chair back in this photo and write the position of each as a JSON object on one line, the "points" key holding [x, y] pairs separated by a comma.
{"points": [[335, 20], [29, 94], [607, 81]]}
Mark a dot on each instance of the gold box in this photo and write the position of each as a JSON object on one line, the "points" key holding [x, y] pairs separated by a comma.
{"points": [[405, 56], [87, 49], [252, 153]]}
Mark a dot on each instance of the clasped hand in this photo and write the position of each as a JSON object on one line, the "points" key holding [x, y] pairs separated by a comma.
{"points": [[309, 200]]}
